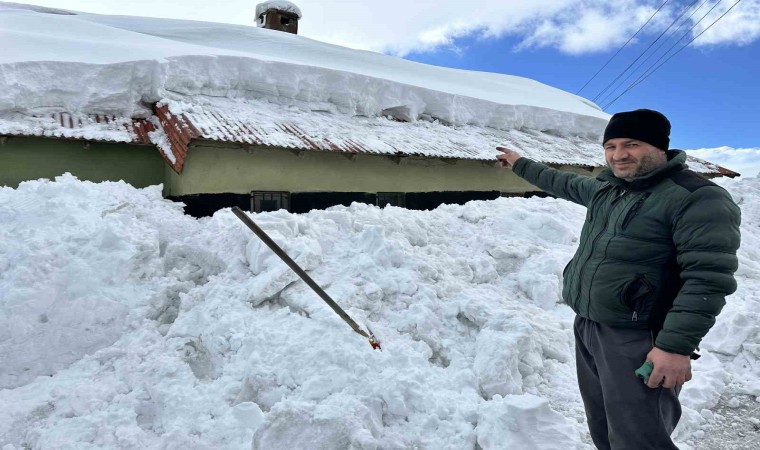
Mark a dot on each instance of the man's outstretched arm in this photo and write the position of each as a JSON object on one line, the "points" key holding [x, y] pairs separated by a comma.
{"points": [[569, 186]]}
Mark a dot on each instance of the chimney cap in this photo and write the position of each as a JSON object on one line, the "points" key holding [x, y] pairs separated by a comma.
{"points": [[278, 5]]}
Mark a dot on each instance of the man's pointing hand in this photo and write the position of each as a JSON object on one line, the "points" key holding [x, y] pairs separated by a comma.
{"points": [[509, 157]]}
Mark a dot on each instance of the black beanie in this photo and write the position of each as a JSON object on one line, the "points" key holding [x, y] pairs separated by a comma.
{"points": [[643, 125]]}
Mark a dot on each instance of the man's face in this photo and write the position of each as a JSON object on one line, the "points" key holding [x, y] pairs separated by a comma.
{"points": [[630, 159]]}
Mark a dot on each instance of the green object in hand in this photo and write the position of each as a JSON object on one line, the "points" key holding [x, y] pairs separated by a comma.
{"points": [[645, 371]]}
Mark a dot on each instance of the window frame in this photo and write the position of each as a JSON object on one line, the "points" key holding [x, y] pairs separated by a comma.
{"points": [[282, 197]]}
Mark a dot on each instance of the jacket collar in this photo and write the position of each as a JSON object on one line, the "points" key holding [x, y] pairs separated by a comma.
{"points": [[676, 162]]}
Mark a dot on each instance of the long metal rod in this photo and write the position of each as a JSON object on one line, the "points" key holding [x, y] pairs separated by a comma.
{"points": [[297, 269]]}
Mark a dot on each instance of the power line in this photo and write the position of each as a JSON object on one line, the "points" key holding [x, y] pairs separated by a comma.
{"points": [[647, 71], [642, 53], [621, 48], [639, 81], [613, 82], [649, 56], [650, 71]]}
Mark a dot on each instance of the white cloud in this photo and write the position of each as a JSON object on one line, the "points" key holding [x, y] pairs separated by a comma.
{"points": [[402, 26], [741, 26], [588, 27], [572, 26], [746, 161]]}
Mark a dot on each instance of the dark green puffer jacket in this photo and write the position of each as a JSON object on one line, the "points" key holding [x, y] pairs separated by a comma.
{"points": [[657, 253]]}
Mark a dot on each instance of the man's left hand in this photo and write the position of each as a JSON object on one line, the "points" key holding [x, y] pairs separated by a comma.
{"points": [[508, 158], [670, 369]]}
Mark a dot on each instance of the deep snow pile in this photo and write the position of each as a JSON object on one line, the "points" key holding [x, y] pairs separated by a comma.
{"points": [[125, 324], [120, 65]]}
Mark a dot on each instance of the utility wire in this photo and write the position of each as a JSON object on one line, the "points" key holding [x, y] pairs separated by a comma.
{"points": [[639, 81], [642, 54], [653, 68], [621, 48], [649, 56], [647, 72]]}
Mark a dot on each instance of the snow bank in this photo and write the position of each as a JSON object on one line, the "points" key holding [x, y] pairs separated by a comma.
{"points": [[198, 336], [76, 270], [125, 324], [95, 64]]}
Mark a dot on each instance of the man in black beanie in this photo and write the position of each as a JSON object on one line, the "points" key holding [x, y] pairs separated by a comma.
{"points": [[654, 264], [641, 133]]}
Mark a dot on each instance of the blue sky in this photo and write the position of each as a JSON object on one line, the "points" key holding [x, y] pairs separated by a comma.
{"points": [[710, 90]]}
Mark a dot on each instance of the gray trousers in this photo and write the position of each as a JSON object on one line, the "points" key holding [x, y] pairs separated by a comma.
{"points": [[622, 412]]}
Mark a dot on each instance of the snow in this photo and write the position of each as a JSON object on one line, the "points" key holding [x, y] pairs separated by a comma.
{"points": [[257, 122], [279, 5], [746, 161], [59, 63], [116, 129], [161, 140], [262, 123], [523, 421], [22, 6], [126, 324], [119, 65]]}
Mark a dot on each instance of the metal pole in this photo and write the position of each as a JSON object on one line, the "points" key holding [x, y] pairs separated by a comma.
{"points": [[300, 272]]}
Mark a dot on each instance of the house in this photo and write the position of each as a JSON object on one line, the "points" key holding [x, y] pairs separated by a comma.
{"points": [[261, 118]]}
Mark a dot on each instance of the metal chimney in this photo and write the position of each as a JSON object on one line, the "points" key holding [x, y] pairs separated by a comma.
{"points": [[278, 15]]}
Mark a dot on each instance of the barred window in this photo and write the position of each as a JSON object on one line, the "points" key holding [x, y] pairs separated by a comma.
{"points": [[269, 201]]}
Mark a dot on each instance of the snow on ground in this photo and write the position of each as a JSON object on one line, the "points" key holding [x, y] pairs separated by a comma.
{"points": [[125, 324], [119, 65]]}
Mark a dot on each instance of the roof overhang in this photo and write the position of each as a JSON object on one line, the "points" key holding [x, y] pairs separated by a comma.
{"points": [[174, 125]]}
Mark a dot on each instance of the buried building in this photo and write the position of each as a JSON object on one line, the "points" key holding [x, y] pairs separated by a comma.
{"points": [[259, 117]]}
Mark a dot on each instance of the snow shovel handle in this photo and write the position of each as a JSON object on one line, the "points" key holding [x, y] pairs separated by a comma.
{"points": [[297, 269]]}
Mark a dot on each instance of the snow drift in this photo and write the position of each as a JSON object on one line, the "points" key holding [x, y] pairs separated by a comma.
{"points": [[124, 323]]}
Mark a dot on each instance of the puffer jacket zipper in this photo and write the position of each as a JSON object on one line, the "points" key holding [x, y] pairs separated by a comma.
{"points": [[594, 241], [634, 210], [584, 243], [641, 305], [637, 306]]}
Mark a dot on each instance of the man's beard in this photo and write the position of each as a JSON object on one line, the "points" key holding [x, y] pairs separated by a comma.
{"points": [[644, 165]]}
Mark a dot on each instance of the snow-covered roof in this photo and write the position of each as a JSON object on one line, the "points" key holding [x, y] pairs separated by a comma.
{"points": [[67, 126], [262, 123], [254, 122], [128, 62], [42, 9], [279, 5], [250, 85]]}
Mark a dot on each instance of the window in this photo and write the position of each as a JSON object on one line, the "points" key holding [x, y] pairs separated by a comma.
{"points": [[285, 20], [391, 198], [269, 201], [262, 19]]}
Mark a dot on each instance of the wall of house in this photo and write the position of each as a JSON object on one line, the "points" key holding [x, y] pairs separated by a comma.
{"points": [[219, 169], [25, 158]]}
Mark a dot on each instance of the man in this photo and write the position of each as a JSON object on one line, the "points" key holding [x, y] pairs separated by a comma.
{"points": [[653, 267]]}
